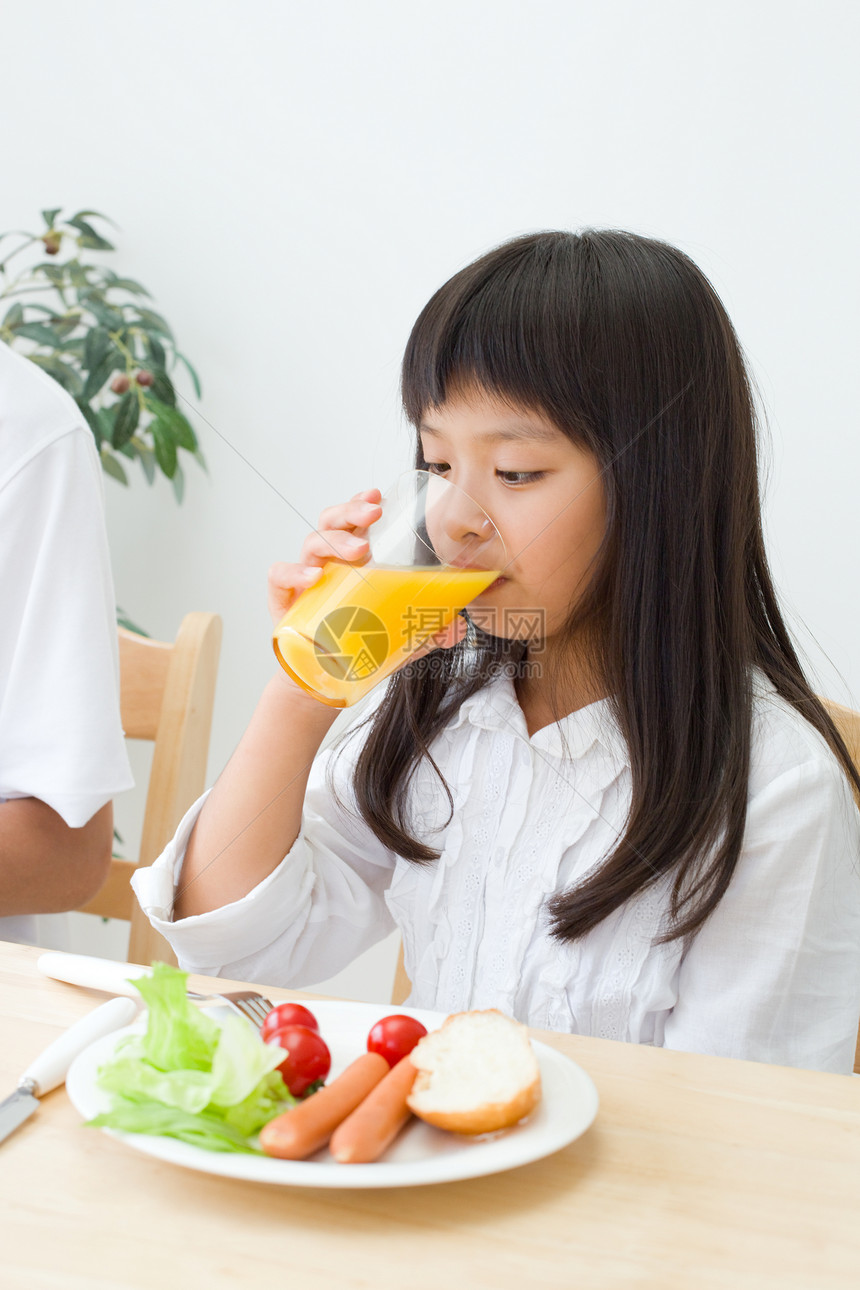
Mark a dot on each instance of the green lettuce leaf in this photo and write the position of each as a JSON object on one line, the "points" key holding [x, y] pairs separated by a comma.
{"points": [[178, 1035], [270, 1098], [190, 1078], [138, 1080], [208, 1131], [241, 1061]]}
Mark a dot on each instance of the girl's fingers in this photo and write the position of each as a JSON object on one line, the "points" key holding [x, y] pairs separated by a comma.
{"points": [[334, 544], [341, 536], [359, 513], [286, 581]]}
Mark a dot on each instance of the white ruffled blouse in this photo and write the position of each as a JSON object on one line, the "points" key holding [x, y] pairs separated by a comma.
{"points": [[774, 975]]}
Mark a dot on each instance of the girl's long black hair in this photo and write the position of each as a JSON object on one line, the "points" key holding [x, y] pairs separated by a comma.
{"points": [[621, 341]]}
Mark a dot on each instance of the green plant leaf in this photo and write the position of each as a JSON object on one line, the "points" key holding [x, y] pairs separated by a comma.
{"points": [[92, 420], [123, 620], [88, 293], [55, 273], [162, 388], [185, 436], [50, 216], [178, 425], [96, 215], [14, 316], [88, 237], [80, 275], [105, 420], [178, 482], [151, 321], [113, 361], [129, 284], [98, 343], [191, 372], [146, 457], [111, 467], [126, 419], [64, 325], [44, 309], [165, 447], [62, 373], [37, 331], [156, 350], [107, 315]]}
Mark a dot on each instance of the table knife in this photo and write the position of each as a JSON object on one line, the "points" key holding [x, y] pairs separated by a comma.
{"points": [[95, 973], [50, 1067]]}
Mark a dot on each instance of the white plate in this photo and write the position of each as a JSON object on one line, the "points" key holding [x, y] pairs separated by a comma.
{"points": [[421, 1154]]}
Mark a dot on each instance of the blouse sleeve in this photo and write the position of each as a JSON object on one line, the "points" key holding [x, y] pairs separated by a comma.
{"points": [[774, 974], [323, 905]]}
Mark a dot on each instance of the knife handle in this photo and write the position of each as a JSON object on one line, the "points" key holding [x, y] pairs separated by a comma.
{"points": [[50, 1067], [97, 974]]}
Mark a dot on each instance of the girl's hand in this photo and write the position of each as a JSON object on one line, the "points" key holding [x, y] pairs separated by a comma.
{"points": [[340, 535]]}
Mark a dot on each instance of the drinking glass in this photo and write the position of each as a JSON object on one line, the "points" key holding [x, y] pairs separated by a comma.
{"points": [[432, 552]]}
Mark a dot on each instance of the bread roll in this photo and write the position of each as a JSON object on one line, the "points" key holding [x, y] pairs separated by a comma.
{"points": [[476, 1074]]}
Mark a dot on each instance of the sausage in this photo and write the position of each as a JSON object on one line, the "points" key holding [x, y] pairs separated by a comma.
{"points": [[376, 1122], [308, 1126]]}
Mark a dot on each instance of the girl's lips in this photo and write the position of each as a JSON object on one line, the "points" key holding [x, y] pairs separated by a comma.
{"points": [[495, 584]]}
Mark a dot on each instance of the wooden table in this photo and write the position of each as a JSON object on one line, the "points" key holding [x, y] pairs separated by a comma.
{"points": [[699, 1172]]}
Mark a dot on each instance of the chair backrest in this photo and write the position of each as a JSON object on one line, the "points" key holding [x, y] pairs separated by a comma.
{"points": [[167, 693], [847, 722], [402, 985]]}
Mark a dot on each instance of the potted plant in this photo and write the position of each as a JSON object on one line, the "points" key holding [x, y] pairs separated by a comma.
{"points": [[95, 333]]}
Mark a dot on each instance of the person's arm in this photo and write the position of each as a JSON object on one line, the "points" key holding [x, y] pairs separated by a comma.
{"points": [[253, 814], [46, 866], [774, 974], [62, 751]]}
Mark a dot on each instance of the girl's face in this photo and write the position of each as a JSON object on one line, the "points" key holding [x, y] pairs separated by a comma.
{"points": [[544, 494]]}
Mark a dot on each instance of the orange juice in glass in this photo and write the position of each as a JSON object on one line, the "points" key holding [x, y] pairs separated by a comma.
{"points": [[432, 552]]}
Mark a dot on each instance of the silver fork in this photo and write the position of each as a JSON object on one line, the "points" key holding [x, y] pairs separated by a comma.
{"points": [[248, 1003], [118, 978]]}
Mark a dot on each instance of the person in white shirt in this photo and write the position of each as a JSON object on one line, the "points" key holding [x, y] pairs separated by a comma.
{"points": [[638, 823], [62, 750]]}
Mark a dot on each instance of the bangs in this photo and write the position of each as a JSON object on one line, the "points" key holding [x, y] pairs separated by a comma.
{"points": [[504, 325]]}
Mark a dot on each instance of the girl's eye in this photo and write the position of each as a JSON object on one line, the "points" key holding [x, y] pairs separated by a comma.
{"points": [[520, 476], [512, 477]]}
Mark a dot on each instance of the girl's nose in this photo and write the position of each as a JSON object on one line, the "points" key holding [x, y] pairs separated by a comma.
{"points": [[468, 533], [459, 529]]}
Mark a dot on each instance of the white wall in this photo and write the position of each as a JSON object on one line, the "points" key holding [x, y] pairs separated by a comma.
{"points": [[293, 180]]}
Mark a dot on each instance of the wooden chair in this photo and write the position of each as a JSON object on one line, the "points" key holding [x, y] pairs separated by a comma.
{"points": [[402, 985], [847, 722], [167, 692]]}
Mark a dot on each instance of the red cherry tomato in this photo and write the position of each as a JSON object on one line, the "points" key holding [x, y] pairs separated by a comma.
{"points": [[394, 1037], [288, 1014], [308, 1059]]}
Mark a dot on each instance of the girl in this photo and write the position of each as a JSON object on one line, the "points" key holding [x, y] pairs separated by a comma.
{"points": [[635, 822]]}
